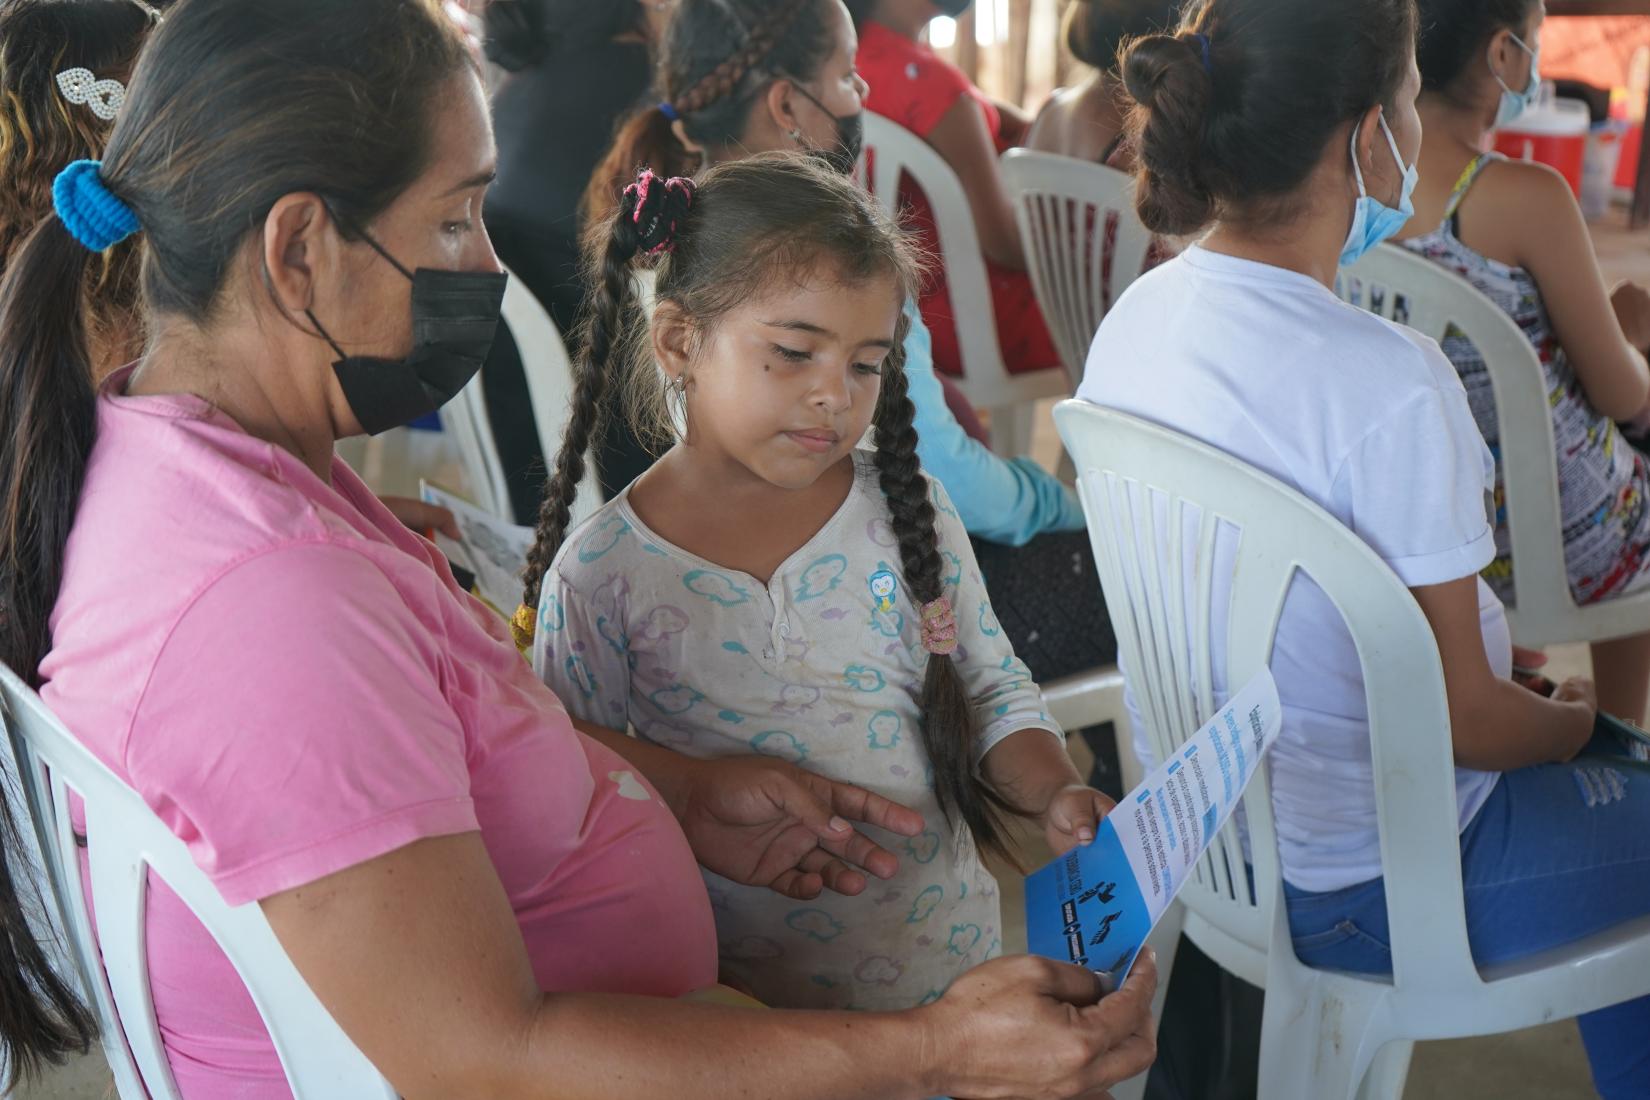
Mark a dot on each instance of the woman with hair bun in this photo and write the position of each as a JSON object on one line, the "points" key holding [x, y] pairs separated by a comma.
{"points": [[1287, 130]]}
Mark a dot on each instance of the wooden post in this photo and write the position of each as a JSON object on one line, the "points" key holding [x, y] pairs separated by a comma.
{"points": [[1019, 50], [1064, 63], [968, 47]]}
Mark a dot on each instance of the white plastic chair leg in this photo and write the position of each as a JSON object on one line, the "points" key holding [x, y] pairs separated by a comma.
{"points": [[1388, 1072], [1318, 1039]]}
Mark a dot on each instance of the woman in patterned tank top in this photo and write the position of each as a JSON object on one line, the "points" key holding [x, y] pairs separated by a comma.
{"points": [[1514, 230]]}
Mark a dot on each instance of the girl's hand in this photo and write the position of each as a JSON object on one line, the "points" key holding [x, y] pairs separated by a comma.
{"points": [[762, 822], [1073, 817], [1583, 697], [1035, 1029]]}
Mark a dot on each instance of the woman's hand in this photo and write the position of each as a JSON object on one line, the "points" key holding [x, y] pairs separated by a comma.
{"points": [[1632, 305], [1073, 817], [762, 822], [1031, 1028], [420, 516]]}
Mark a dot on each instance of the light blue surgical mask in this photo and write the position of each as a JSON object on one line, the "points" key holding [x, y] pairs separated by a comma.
{"points": [[1373, 221], [1514, 103]]}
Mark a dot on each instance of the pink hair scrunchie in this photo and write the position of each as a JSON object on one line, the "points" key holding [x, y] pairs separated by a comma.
{"points": [[939, 627]]}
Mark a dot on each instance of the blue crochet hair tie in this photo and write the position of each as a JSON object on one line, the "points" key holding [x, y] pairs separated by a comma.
{"points": [[92, 213]]}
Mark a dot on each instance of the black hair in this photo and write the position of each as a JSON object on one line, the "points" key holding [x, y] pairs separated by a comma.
{"points": [[1455, 33], [1096, 30], [718, 57], [522, 33], [233, 104], [750, 222], [1230, 128]]}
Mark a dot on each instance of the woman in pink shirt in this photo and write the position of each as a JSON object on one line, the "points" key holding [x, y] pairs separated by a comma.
{"points": [[488, 901]]}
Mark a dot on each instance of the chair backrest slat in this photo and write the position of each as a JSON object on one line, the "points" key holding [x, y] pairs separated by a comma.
{"points": [[1140, 483], [1084, 242]]}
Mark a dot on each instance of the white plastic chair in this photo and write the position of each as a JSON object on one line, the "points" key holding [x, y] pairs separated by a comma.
{"points": [[126, 843], [549, 373], [890, 151], [1409, 289], [1064, 206], [1155, 497]]}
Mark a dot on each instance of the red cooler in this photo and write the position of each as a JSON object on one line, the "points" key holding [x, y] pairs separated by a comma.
{"points": [[1553, 132]]}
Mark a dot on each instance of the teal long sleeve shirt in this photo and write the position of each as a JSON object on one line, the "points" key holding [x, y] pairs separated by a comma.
{"points": [[1001, 500]]}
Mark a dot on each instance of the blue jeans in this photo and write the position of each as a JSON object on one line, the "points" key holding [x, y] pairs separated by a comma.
{"points": [[1559, 852]]}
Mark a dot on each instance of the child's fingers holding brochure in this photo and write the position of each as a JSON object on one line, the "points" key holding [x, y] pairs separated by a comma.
{"points": [[1073, 817]]}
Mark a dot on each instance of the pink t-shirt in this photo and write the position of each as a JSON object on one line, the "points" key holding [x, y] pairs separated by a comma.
{"points": [[295, 684]]}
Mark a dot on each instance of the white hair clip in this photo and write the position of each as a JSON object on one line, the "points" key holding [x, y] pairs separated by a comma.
{"points": [[151, 11], [104, 97]]}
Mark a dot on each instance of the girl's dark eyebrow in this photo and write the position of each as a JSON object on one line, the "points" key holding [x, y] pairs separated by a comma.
{"points": [[817, 330]]}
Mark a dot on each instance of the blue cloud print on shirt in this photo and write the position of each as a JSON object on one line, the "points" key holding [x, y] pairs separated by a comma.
{"points": [[551, 616], [816, 924], [964, 938], [822, 577], [863, 678], [715, 587], [602, 537], [675, 699], [883, 730], [581, 676], [924, 846], [780, 743], [926, 903]]}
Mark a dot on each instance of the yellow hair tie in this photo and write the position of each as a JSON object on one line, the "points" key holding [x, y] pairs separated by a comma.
{"points": [[522, 626]]}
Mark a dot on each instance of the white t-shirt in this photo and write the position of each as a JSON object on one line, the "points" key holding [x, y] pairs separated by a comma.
{"points": [[1364, 417]]}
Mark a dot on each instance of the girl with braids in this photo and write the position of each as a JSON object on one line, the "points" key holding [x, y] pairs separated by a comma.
{"points": [[768, 587], [1286, 132], [730, 100], [487, 900]]}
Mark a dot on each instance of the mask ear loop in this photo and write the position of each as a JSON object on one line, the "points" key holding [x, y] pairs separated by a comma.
{"points": [[352, 227]]}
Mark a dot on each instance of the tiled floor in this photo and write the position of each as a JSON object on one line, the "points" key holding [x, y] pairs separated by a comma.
{"points": [[1545, 1062]]}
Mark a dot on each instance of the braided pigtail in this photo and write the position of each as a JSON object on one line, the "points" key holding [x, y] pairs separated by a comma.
{"points": [[948, 727], [720, 82], [649, 215]]}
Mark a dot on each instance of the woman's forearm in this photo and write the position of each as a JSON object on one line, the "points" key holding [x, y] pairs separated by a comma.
{"points": [[599, 1047], [1511, 727]]}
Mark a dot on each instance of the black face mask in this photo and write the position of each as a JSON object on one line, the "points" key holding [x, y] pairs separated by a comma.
{"points": [[850, 137], [953, 8], [454, 315]]}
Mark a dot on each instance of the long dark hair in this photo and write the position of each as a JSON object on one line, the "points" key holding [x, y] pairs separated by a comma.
{"points": [[234, 103], [1454, 34], [41, 131], [1229, 125], [718, 57], [750, 223]]}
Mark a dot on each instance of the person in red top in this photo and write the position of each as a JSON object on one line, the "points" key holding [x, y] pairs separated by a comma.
{"points": [[915, 87]]}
